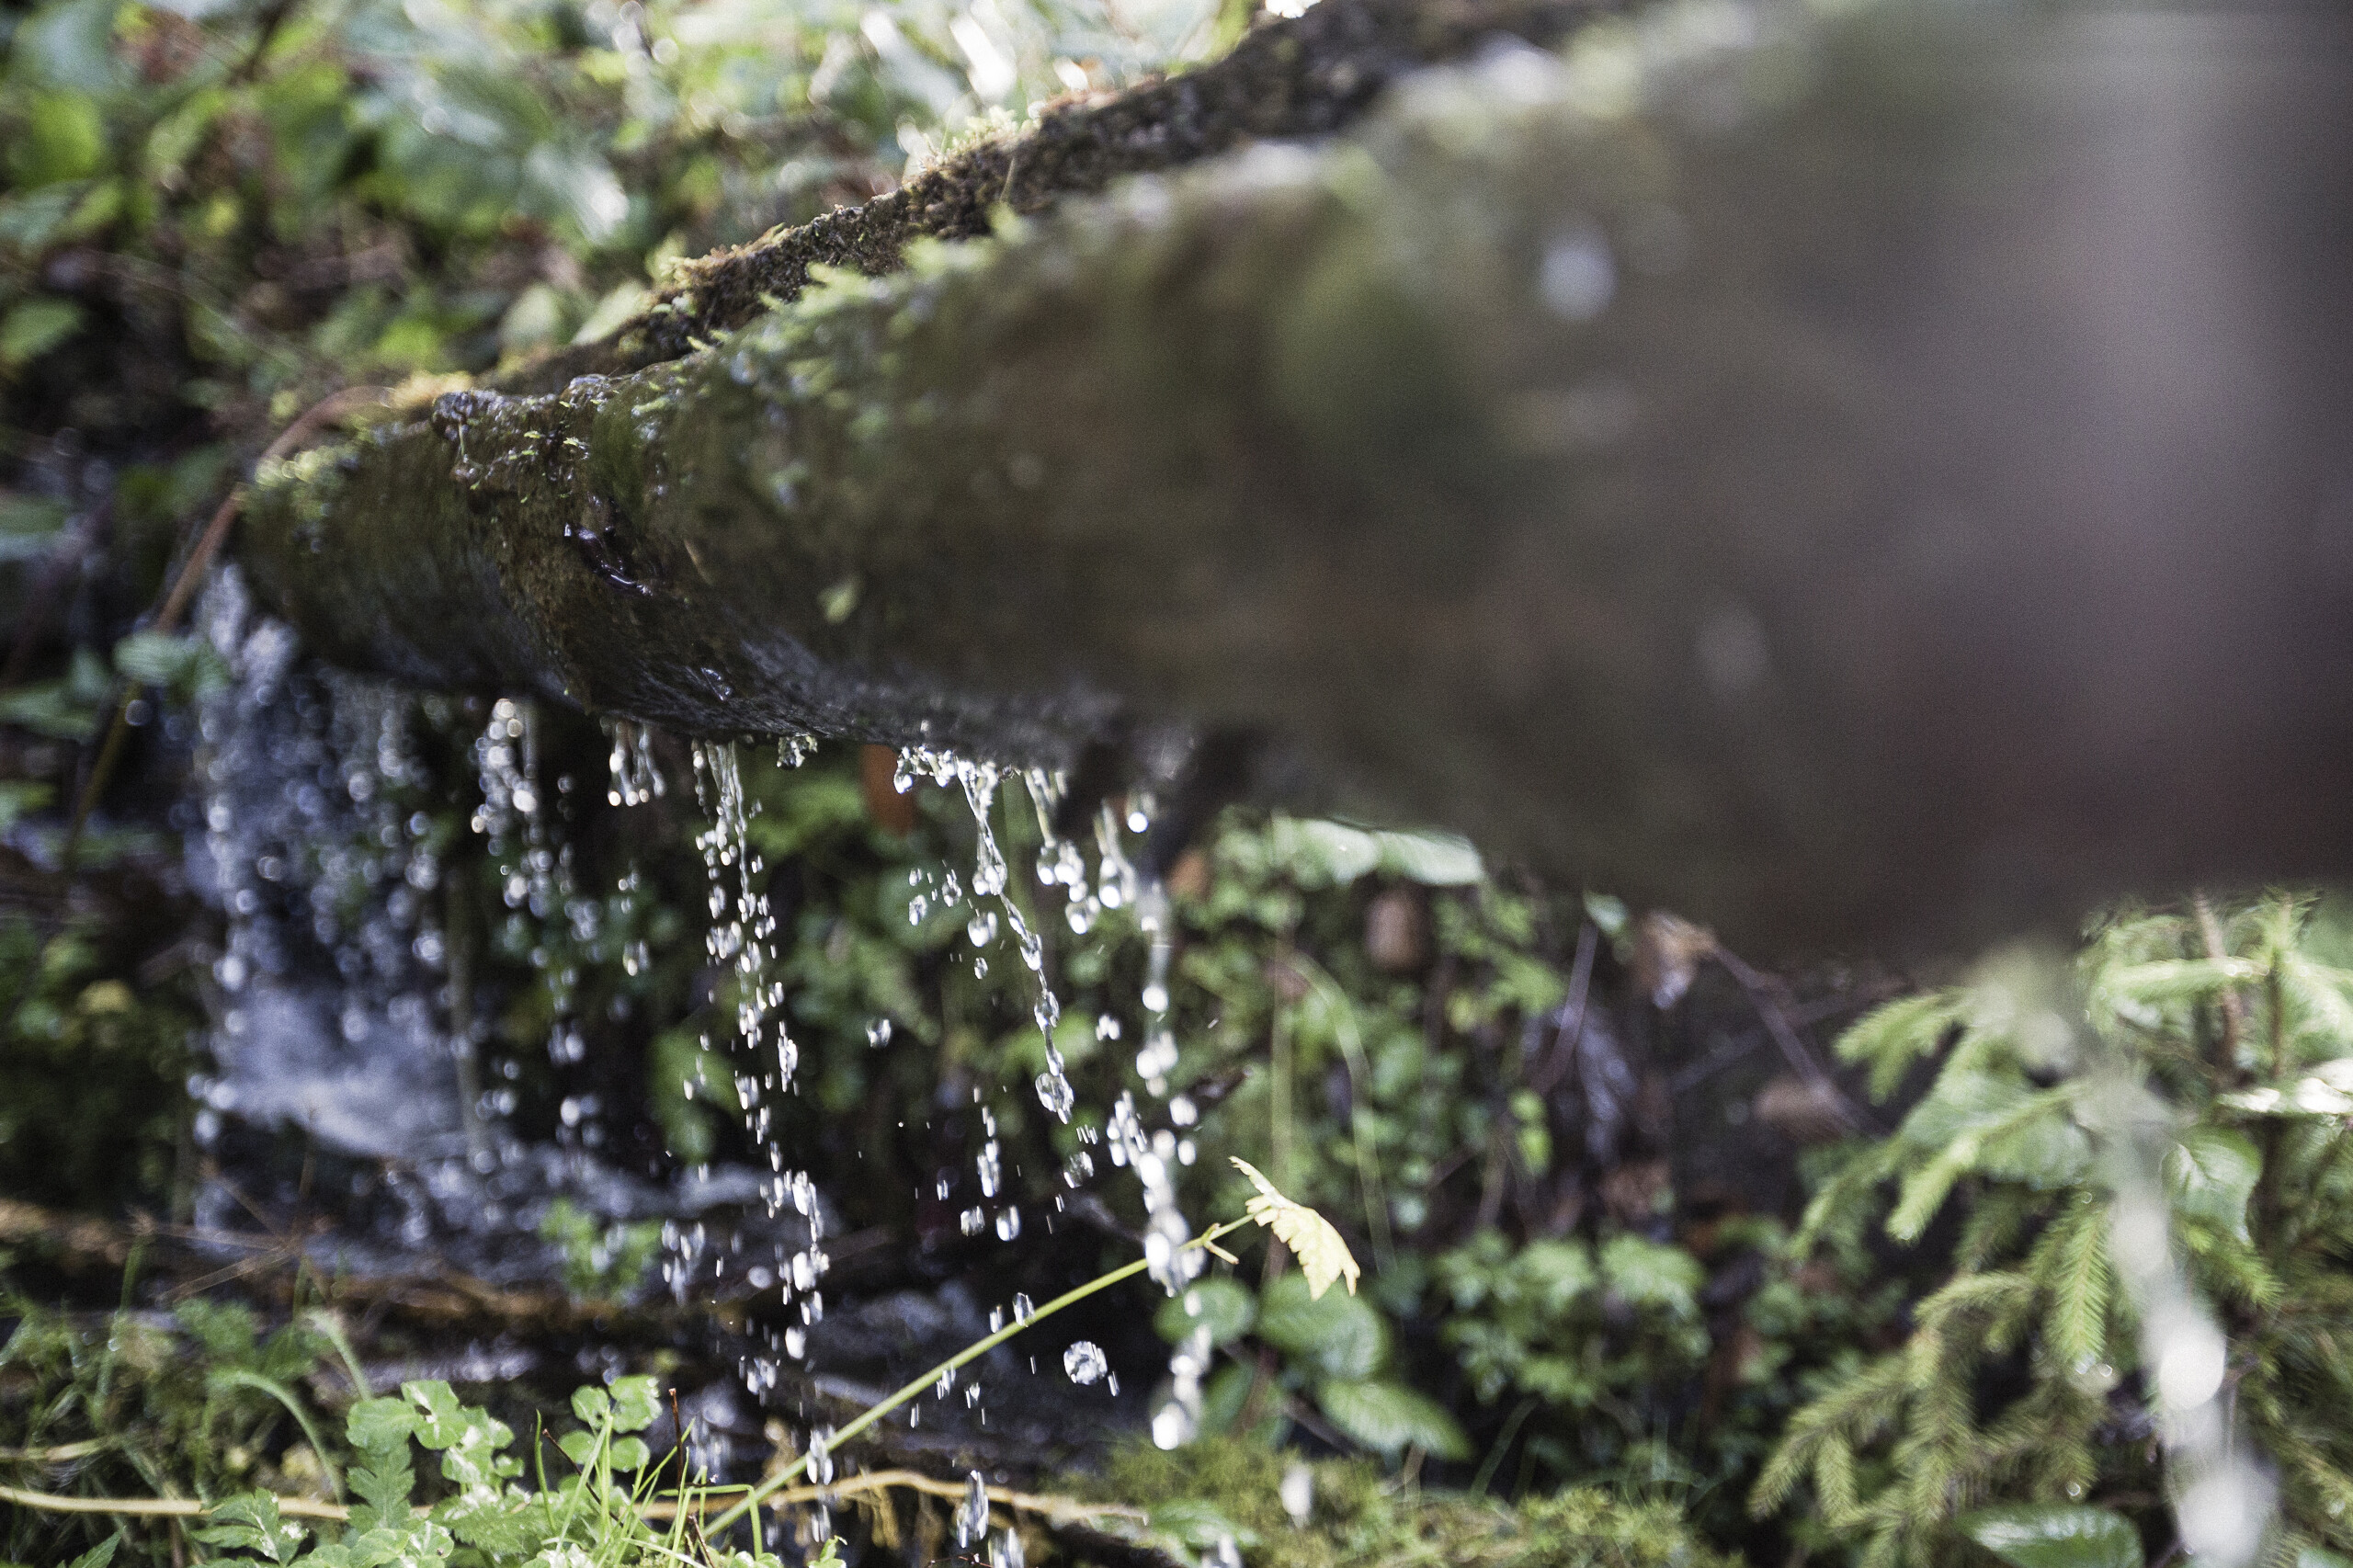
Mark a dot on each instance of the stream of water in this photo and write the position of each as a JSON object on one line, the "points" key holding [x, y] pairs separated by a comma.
{"points": [[350, 1005]]}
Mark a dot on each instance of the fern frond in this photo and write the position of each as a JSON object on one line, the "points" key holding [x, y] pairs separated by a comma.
{"points": [[1833, 1485], [2077, 1272], [1995, 1225], [1893, 1037]]}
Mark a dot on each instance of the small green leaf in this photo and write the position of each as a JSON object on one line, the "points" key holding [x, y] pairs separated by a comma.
{"points": [[1221, 1306], [636, 1402], [630, 1453], [1434, 860], [1890, 1038], [578, 1447], [377, 1424], [53, 708], [440, 1420], [1340, 1337], [2056, 1535], [1389, 1419], [1644, 1273], [2211, 1172], [590, 1404], [101, 1554], [249, 1522]]}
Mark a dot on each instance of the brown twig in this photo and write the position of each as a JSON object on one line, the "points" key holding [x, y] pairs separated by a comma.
{"points": [[1761, 995], [1571, 1035], [333, 406]]}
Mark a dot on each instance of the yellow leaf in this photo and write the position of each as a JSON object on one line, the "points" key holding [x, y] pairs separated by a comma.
{"points": [[1323, 1256]]}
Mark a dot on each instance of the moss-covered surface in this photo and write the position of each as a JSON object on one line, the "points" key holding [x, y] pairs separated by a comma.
{"points": [[1302, 76], [1357, 1518]]}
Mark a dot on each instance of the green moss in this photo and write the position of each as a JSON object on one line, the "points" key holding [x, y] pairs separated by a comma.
{"points": [[1359, 1519]]}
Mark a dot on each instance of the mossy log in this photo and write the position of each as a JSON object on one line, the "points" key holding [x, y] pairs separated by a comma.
{"points": [[1302, 76], [1887, 477]]}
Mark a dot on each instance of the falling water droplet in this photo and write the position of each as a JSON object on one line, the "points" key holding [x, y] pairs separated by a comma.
{"points": [[1085, 1363], [972, 1515]]}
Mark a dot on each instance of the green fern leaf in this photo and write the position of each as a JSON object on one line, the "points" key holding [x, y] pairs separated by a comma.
{"points": [[2080, 1283], [1893, 1037]]}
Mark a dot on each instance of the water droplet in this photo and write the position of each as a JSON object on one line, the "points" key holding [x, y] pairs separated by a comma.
{"points": [[821, 1458], [973, 1513], [1085, 1363]]}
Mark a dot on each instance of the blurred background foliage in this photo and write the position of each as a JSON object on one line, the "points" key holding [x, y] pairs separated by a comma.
{"points": [[1574, 1147]]}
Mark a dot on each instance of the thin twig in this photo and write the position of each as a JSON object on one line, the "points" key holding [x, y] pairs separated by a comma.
{"points": [[61, 1454], [159, 1507], [1794, 1049], [1572, 1030]]}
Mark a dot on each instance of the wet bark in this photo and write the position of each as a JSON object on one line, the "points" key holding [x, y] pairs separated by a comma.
{"points": [[1887, 480]]}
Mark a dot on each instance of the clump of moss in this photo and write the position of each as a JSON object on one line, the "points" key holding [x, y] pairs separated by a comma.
{"points": [[1359, 1518]]}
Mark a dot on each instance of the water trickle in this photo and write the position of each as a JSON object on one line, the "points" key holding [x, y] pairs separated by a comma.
{"points": [[821, 1456], [318, 849], [973, 1513], [636, 777], [989, 1161], [743, 927], [990, 880]]}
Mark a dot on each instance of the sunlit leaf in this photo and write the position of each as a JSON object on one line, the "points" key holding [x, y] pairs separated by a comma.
{"points": [[1323, 1256]]}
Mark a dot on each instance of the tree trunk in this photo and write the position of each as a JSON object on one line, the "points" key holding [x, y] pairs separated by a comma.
{"points": [[1883, 478]]}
